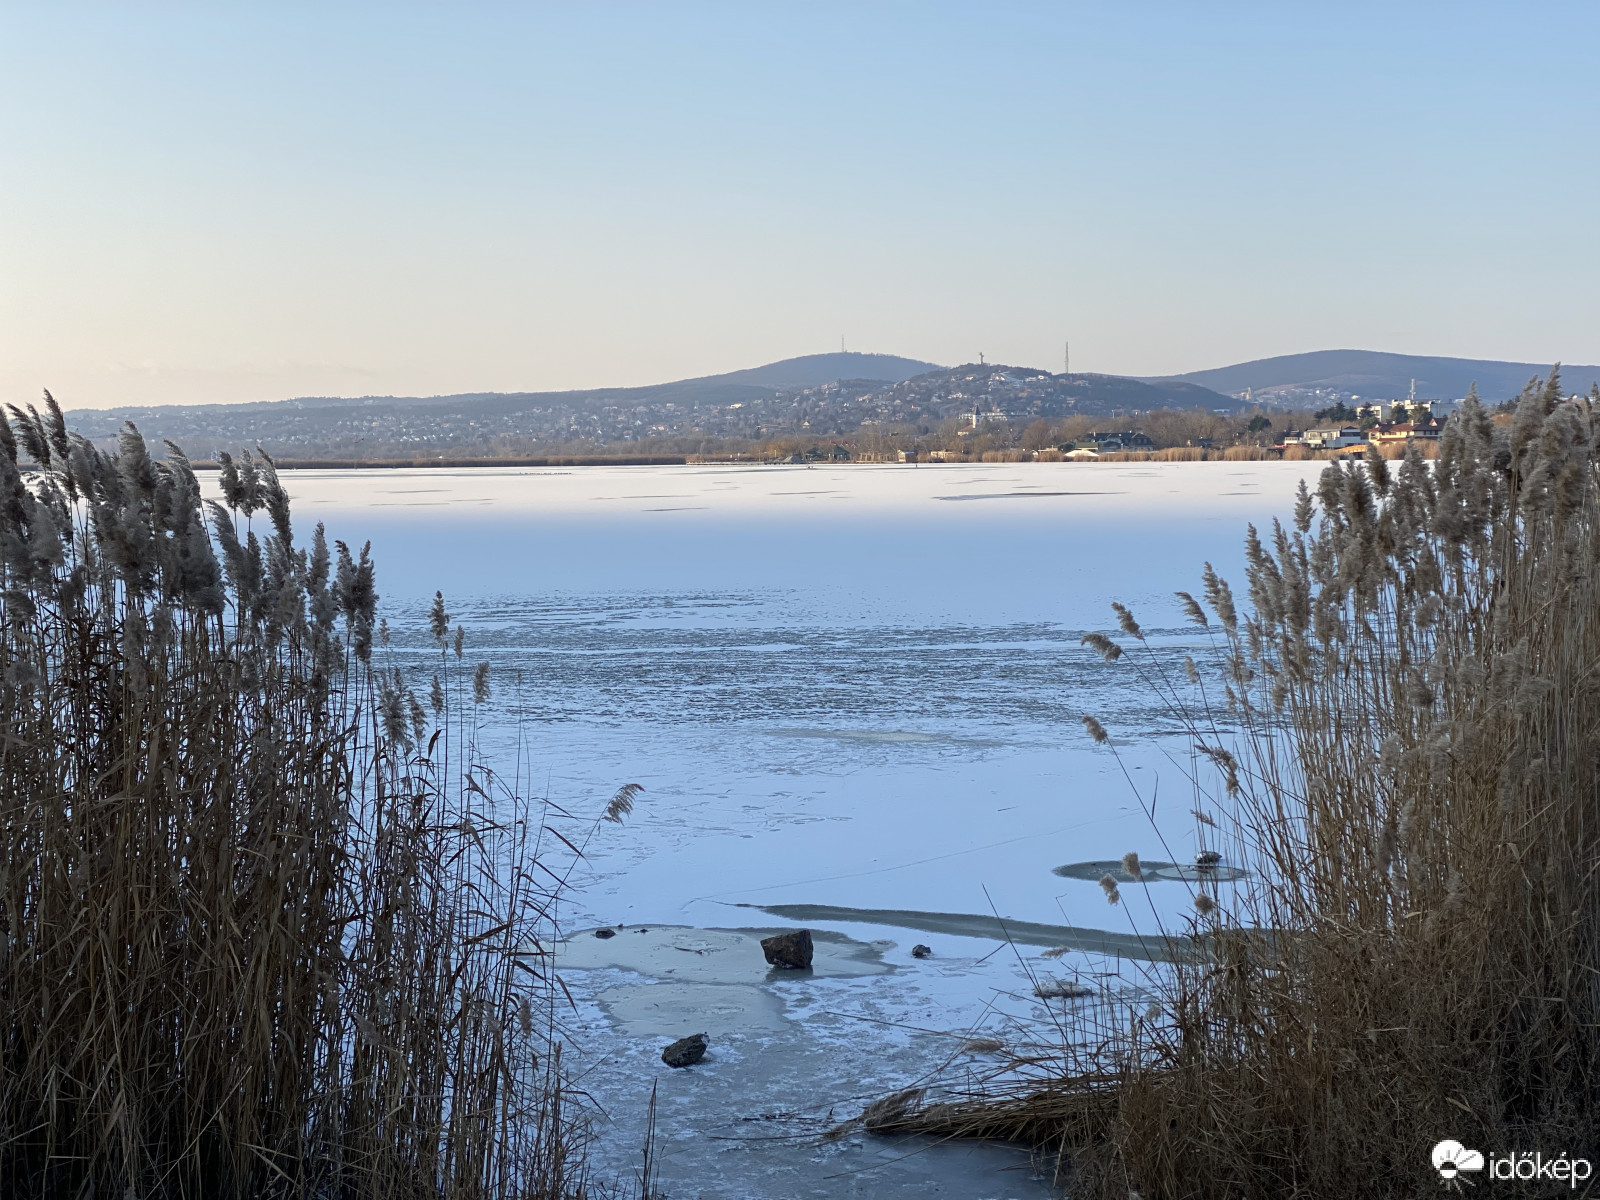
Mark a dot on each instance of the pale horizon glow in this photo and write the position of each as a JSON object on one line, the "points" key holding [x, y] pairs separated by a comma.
{"points": [[253, 202]]}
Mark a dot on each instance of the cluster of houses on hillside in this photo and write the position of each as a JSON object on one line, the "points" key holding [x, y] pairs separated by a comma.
{"points": [[1111, 443], [1375, 425], [1385, 425], [1339, 437]]}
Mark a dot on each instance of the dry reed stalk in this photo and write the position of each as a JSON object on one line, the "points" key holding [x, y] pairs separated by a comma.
{"points": [[1396, 451], [254, 939], [1408, 765]]}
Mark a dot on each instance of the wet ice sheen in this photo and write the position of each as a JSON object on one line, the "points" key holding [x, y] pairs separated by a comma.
{"points": [[842, 692]]}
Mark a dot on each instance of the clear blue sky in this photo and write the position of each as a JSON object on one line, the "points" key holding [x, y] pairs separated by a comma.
{"points": [[234, 201]]}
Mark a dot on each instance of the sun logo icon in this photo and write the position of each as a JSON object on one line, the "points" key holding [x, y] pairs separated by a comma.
{"points": [[1451, 1159]]}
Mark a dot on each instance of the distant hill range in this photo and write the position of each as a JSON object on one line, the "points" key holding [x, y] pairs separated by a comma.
{"points": [[1370, 374], [820, 397], [813, 369]]}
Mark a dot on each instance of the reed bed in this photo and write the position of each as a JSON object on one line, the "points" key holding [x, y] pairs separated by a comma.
{"points": [[1007, 456], [1404, 752], [1169, 454], [1190, 454], [267, 926], [1249, 454], [1396, 451]]}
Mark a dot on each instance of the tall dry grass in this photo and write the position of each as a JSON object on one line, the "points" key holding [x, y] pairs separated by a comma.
{"points": [[1168, 454], [1396, 451], [1249, 454], [264, 922], [1007, 456], [1404, 752]]}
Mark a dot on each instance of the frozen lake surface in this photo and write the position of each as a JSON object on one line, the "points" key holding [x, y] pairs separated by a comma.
{"points": [[852, 695]]}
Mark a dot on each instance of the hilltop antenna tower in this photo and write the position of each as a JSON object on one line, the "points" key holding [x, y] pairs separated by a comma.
{"points": [[1066, 358]]}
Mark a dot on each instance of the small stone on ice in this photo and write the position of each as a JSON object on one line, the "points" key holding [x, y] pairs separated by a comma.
{"points": [[605, 933], [921, 951], [685, 1052]]}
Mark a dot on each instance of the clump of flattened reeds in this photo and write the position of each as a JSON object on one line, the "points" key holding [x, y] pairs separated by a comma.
{"points": [[1411, 776], [254, 939]]}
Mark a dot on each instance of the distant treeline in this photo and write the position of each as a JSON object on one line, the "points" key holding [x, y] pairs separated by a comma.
{"points": [[1167, 428]]}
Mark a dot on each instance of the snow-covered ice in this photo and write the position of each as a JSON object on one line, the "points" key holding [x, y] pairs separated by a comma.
{"points": [[854, 687]]}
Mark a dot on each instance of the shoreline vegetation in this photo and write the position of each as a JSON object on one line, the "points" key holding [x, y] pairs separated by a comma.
{"points": [[1171, 454], [269, 925], [1403, 752], [1140, 437], [1137, 435]]}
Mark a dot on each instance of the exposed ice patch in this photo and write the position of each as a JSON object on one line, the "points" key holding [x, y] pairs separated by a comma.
{"points": [[724, 956], [674, 1010], [1151, 871], [1002, 929]]}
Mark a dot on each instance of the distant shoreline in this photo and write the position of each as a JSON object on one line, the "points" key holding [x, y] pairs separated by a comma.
{"points": [[695, 460], [399, 464]]}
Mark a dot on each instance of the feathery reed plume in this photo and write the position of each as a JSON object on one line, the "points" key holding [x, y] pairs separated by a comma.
{"points": [[1220, 596], [1130, 865], [1096, 730], [1126, 622], [438, 620], [1103, 646], [1108, 885], [480, 683], [622, 803], [1192, 609]]}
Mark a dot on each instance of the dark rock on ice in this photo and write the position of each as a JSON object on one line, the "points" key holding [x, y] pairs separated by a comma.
{"points": [[605, 933], [685, 1052], [921, 951], [789, 950]]}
